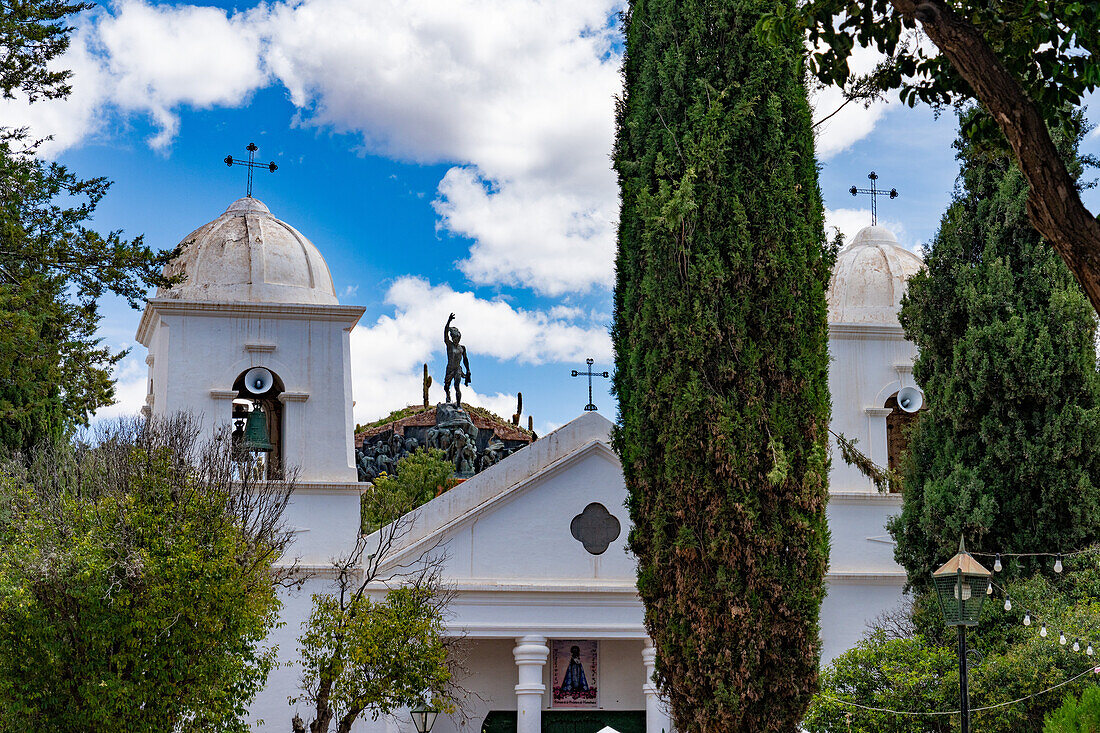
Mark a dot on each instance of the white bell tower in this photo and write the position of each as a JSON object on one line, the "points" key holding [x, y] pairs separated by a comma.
{"points": [[256, 293]]}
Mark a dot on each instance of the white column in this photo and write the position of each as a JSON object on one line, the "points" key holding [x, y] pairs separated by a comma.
{"points": [[530, 653], [657, 717]]}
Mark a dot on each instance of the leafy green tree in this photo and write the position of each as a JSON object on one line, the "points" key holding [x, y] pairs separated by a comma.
{"points": [[1029, 64], [32, 32], [372, 656], [720, 353], [1008, 451], [136, 584], [908, 674], [1076, 715], [53, 269], [375, 642], [419, 477]]}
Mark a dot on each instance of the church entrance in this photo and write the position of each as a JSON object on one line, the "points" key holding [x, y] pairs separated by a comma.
{"points": [[570, 721]]}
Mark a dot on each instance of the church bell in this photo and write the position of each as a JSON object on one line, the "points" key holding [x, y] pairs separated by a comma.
{"points": [[255, 432]]}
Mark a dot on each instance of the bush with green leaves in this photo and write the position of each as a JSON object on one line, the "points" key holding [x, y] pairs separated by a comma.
{"points": [[1076, 715], [136, 584], [912, 666], [721, 360], [420, 476]]}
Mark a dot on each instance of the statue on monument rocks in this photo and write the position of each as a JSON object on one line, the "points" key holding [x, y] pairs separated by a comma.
{"points": [[456, 359]]}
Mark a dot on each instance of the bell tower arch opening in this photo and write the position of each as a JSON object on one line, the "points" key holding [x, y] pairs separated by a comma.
{"points": [[898, 424], [258, 419]]}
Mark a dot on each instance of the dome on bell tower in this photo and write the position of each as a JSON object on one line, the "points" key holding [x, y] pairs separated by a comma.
{"points": [[869, 278], [246, 255]]}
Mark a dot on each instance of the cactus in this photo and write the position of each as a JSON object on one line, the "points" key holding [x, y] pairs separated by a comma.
{"points": [[519, 408], [427, 384]]}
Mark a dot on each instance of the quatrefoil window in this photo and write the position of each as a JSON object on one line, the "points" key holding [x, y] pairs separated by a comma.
{"points": [[595, 528]]}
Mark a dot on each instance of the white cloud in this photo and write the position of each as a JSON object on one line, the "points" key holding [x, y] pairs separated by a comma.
{"points": [[850, 221], [150, 60], [553, 241], [72, 120], [388, 354], [131, 385], [161, 57], [517, 94], [853, 121]]}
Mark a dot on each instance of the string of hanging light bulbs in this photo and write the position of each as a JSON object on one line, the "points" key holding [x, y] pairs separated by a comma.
{"points": [[1030, 617]]}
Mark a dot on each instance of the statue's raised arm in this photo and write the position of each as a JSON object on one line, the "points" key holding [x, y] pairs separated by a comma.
{"points": [[447, 330]]}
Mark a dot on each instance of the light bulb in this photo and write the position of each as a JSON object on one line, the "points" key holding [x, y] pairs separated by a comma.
{"points": [[965, 591], [1076, 645], [997, 564], [1062, 639], [1043, 631], [1027, 618], [1088, 650], [989, 589], [1058, 564], [1008, 604]]}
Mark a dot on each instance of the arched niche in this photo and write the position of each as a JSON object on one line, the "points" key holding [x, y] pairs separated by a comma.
{"points": [[898, 424], [272, 408]]}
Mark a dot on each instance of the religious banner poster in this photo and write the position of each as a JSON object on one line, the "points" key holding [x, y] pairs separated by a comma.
{"points": [[575, 672]]}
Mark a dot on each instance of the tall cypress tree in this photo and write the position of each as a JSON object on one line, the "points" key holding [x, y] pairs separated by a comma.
{"points": [[1008, 450], [720, 352]]}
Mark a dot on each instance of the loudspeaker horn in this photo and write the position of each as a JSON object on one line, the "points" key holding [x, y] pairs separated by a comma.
{"points": [[258, 380], [910, 399]]}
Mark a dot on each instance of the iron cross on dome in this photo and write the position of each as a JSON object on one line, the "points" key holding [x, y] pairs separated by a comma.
{"points": [[251, 164], [590, 407], [874, 193]]}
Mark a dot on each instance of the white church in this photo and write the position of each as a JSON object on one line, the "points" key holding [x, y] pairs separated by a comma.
{"points": [[535, 544]]}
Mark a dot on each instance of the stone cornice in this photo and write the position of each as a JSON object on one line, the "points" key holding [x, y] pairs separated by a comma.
{"points": [[862, 331], [864, 497], [349, 315]]}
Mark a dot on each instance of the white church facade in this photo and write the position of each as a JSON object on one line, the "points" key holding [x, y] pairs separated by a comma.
{"points": [[534, 547]]}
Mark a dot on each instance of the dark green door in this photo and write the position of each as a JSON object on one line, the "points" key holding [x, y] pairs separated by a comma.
{"points": [[570, 721]]}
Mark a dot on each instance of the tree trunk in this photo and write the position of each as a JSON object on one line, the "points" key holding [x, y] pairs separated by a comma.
{"points": [[1054, 205], [346, 722]]}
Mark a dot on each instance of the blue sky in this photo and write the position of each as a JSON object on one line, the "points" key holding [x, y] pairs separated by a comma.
{"points": [[443, 155]]}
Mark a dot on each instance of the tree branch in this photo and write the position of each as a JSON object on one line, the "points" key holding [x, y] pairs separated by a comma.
{"points": [[1054, 204]]}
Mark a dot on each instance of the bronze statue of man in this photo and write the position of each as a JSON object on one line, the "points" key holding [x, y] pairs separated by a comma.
{"points": [[456, 358]]}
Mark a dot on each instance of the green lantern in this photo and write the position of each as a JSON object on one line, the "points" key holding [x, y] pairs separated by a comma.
{"points": [[961, 585], [255, 432], [423, 717]]}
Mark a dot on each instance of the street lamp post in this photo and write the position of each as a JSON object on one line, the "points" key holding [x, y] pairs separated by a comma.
{"points": [[961, 585], [423, 717]]}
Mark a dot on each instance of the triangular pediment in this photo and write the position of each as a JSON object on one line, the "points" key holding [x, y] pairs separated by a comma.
{"points": [[529, 516]]}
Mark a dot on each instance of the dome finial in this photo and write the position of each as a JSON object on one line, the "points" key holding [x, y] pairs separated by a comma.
{"points": [[250, 164], [874, 193]]}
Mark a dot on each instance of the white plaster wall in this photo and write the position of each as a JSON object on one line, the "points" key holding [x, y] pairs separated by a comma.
{"points": [[849, 606], [857, 529], [325, 521], [863, 373], [194, 354], [527, 534]]}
